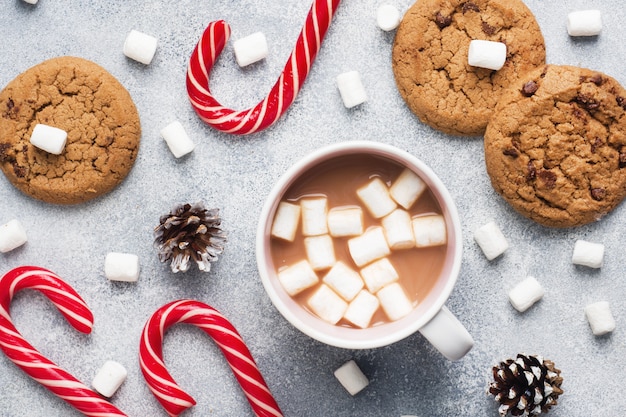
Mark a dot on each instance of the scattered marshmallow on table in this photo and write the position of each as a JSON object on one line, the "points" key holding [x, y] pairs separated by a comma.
{"points": [[31, 1], [588, 254], [344, 280], [361, 309], [345, 221], [378, 274], [394, 301], [297, 277], [177, 139], [351, 377], [109, 378], [600, 318], [121, 267], [140, 47], [12, 236], [250, 49], [376, 198], [48, 138], [525, 294], [388, 17], [398, 229], [584, 23], [351, 89], [327, 304], [320, 251], [368, 247], [286, 221], [314, 216], [491, 240], [407, 188], [486, 54], [429, 231]]}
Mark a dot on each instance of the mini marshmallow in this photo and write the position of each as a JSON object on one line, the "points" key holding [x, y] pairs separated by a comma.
{"points": [[344, 280], [320, 251], [584, 23], [361, 310], [109, 378], [327, 304], [121, 267], [286, 221], [378, 274], [49, 139], [140, 47], [394, 301], [314, 215], [387, 17], [398, 230], [525, 294], [407, 188], [486, 54], [375, 196], [351, 89], [345, 221], [177, 139], [368, 247], [588, 254], [31, 1], [600, 318], [429, 230], [351, 378], [297, 277], [491, 240], [12, 236], [250, 49]]}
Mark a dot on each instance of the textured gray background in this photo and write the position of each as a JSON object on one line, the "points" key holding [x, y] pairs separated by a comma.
{"points": [[236, 173]]}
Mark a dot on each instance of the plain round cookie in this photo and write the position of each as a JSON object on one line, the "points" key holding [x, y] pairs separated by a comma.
{"points": [[429, 59], [97, 113], [555, 148]]}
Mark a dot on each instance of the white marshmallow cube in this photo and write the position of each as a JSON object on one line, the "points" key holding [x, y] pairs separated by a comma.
{"points": [[351, 377], [345, 221], [388, 17], [486, 54], [49, 139], [368, 247], [600, 318], [327, 304], [286, 221], [344, 280], [109, 378], [376, 198], [394, 301], [177, 139], [121, 267], [584, 23], [361, 310], [140, 47], [314, 216], [351, 89], [12, 236], [491, 240], [378, 274], [320, 251], [525, 294], [31, 1], [429, 231], [297, 277], [407, 188], [250, 49], [398, 230], [588, 254]]}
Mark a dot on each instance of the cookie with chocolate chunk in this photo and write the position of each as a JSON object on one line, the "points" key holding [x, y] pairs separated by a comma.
{"points": [[555, 148], [96, 111], [430, 59]]}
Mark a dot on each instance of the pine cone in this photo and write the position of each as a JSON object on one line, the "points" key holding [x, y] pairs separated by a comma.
{"points": [[526, 386], [190, 232]]}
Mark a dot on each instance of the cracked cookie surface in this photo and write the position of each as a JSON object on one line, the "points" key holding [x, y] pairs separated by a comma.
{"points": [[430, 66], [96, 111], [555, 148]]}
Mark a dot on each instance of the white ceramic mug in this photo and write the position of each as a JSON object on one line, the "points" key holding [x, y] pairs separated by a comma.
{"points": [[430, 316]]}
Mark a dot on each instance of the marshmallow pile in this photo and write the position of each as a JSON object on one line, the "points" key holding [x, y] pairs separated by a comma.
{"points": [[355, 289]]}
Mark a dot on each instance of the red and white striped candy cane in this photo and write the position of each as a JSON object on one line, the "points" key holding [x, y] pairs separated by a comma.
{"points": [[283, 93], [211, 321], [33, 363]]}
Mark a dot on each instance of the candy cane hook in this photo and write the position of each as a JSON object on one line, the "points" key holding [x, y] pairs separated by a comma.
{"points": [[33, 363], [282, 94], [211, 321]]}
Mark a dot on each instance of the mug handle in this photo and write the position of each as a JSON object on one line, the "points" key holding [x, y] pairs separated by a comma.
{"points": [[446, 333]]}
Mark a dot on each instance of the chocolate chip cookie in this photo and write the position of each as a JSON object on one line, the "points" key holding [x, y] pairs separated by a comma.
{"points": [[430, 59], [555, 148], [96, 111]]}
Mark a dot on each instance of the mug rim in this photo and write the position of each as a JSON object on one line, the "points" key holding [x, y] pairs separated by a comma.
{"points": [[345, 337]]}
